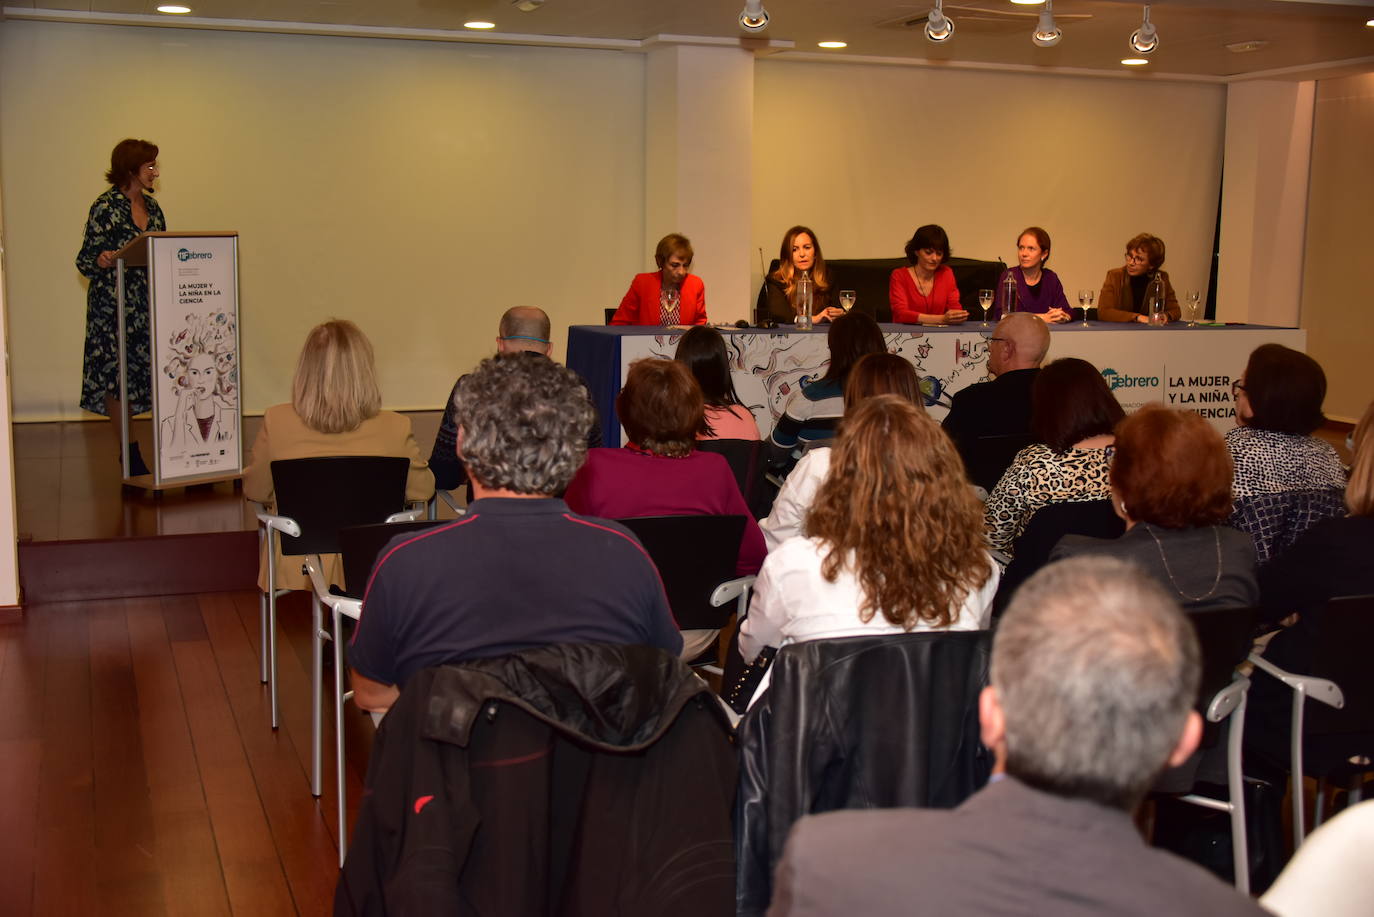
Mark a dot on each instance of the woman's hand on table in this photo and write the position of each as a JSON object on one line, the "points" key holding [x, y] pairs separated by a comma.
{"points": [[1056, 316], [828, 314]]}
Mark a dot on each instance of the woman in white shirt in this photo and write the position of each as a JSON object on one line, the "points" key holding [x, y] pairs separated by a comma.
{"points": [[875, 374], [894, 540]]}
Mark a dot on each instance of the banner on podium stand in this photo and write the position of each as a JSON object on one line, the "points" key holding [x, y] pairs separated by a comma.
{"points": [[193, 284]]}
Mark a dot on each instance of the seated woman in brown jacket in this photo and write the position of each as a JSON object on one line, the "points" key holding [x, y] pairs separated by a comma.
{"points": [[1125, 291]]}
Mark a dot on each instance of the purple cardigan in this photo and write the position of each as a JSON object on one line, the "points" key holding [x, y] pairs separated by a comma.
{"points": [[1051, 293]]}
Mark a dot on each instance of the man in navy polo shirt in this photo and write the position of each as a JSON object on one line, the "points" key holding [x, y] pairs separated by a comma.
{"points": [[519, 569]]}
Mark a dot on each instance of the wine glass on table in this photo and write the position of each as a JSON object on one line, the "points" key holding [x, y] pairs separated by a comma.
{"points": [[985, 300], [847, 298], [1085, 301], [1194, 299]]}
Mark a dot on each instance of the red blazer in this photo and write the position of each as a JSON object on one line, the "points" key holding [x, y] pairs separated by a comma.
{"points": [[640, 305], [907, 302]]}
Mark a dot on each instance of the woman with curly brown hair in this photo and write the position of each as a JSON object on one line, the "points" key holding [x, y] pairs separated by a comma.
{"points": [[894, 540]]}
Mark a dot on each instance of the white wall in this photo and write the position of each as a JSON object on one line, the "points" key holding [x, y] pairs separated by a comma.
{"points": [[417, 188], [864, 154], [9, 558], [1264, 211], [1337, 307]]}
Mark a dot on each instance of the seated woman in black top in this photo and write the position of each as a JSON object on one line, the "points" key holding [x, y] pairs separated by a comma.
{"points": [[1171, 483], [799, 256]]}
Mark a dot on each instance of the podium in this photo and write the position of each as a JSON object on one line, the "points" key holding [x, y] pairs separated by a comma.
{"points": [[194, 349]]}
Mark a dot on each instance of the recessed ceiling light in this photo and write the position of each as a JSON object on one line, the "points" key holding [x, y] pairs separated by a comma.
{"points": [[1028, 2], [1242, 47], [1134, 61], [172, 8], [1370, 23], [479, 24], [833, 44]]}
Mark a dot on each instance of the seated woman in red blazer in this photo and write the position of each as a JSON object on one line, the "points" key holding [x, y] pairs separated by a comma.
{"points": [[925, 290], [646, 302]]}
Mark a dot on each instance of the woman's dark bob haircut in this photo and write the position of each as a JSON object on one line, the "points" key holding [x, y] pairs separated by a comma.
{"points": [[928, 236], [1070, 402], [1285, 388]]}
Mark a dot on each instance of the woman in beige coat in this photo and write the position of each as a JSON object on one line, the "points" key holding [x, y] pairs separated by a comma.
{"points": [[335, 409]]}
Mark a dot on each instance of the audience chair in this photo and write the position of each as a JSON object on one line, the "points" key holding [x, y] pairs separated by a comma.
{"points": [[746, 461], [360, 546], [990, 456], [695, 556], [315, 498], [1047, 525], [856, 723], [1335, 737], [1225, 636]]}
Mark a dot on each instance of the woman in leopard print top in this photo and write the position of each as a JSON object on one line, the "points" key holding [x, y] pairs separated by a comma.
{"points": [[1073, 414]]}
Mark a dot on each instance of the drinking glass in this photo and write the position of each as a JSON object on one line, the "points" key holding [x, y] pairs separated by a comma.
{"points": [[847, 298], [985, 300], [1085, 300], [1194, 299]]}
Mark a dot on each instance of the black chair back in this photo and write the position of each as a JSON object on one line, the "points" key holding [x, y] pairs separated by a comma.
{"points": [[989, 457], [1344, 635], [330, 493], [746, 462], [1049, 524], [694, 555], [361, 545], [856, 723]]}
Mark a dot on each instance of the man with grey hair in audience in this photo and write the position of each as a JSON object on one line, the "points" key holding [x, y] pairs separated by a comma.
{"points": [[524, 330], [989, 422], [518, 570], [1094, 676]]}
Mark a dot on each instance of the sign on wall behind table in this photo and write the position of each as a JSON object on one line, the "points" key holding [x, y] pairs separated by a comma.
{"points": [[196, 356], [1187, 368]]}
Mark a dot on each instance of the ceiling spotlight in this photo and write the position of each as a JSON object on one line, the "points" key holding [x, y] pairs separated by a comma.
{"points": [[1145, 39], [938, 26], [753, 18], [1134, 61], [174, 9], [832, 44], [1046, 34], [479, 24], [527, 6]]}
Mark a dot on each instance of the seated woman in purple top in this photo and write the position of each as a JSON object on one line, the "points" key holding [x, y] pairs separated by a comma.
{"points": [[1038, 289], [660, 472]]}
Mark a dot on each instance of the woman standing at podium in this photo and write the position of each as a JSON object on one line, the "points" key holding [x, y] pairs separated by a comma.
{"points": [[116, 217]]}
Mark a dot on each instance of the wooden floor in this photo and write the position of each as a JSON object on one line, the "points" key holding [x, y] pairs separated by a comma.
{"points": [[139, 774]]}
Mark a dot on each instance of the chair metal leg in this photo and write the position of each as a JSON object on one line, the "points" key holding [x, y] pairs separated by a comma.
{"points": [[342, 793], [316, 676], [1319, 803], [1295, 766], [1235, 779], [262, 637], [271, 645]]}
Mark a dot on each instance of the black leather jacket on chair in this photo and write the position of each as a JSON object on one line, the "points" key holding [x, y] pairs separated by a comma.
{"points": [[856, 723], [563, 780]]}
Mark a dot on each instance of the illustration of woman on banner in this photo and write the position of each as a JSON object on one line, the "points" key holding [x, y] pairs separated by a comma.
{"points": [[202, 365]]}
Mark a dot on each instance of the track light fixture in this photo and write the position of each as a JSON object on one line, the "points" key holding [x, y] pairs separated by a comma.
{"points": [[1144, 39], [753, 18], [1046, 34], [938, 26]]}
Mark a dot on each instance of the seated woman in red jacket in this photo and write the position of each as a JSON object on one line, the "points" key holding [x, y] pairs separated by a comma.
{"points": [[925, 291], [669, 295]]}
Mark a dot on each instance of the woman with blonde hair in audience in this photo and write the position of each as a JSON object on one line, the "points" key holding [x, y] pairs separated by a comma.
{"points": [[1171, 484], [335, 409], [875, 374], [1073, 414], [1286, 479], [894, 540]]}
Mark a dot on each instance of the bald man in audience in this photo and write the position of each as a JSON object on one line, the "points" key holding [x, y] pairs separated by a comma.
{"points": [[1094, 675], [990, 421], [523, 329]]}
